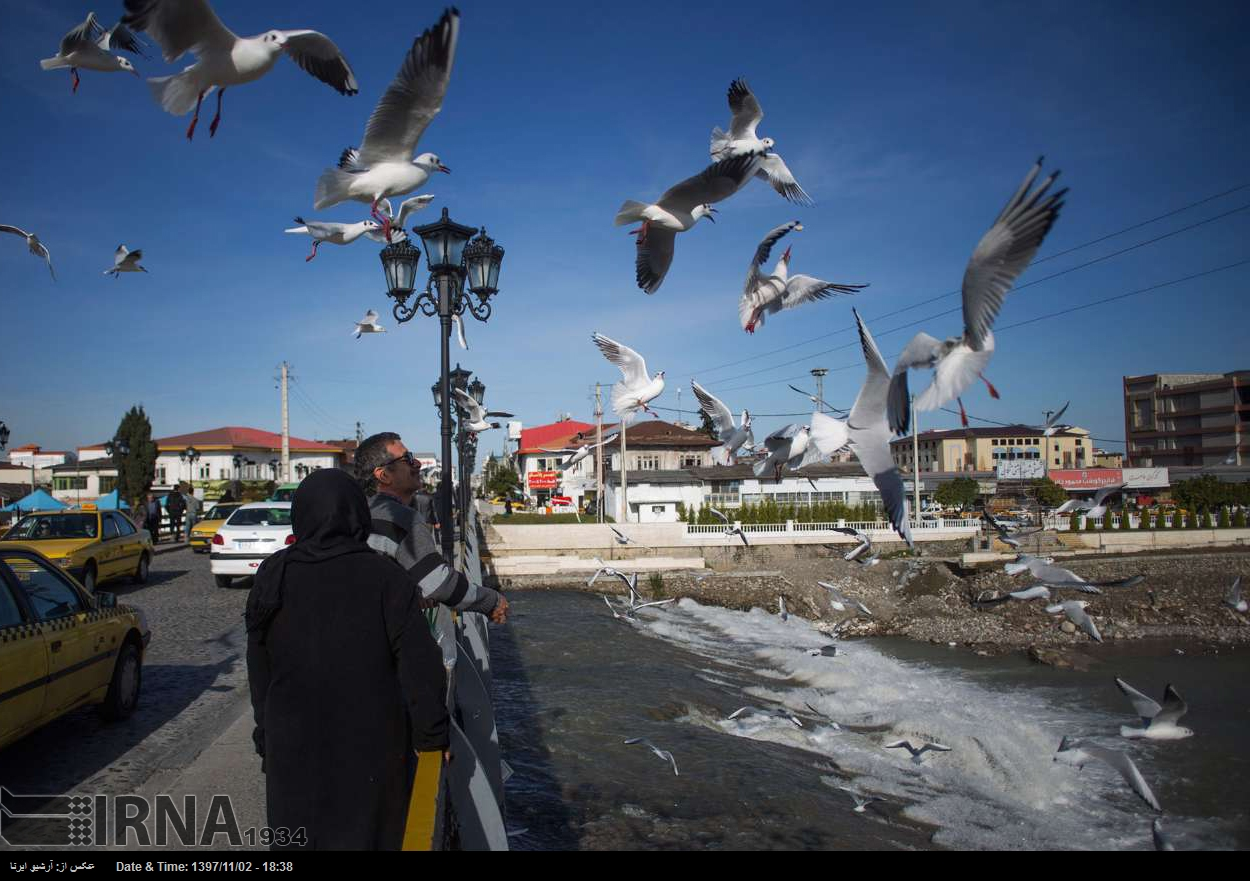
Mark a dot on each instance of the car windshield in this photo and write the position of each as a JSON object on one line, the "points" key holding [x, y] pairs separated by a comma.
{"points": [[36, 528], [283, 495], [260, 517], [221, 512]]}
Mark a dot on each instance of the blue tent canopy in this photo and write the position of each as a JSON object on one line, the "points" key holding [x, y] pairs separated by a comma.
{"points": [[36, 501], [109, 502]]}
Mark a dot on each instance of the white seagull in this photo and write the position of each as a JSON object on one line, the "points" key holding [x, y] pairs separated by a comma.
{"points": [[125, 260], [678, 210], [917, 751], [769, 294], [87, 46], [870, 434], [781, 609], [383, 165], [864, 546], [1052, 576], [223, 58], [578, 454], [1161, 841], [1075, 612], [1095, 508], [785, 447], [36, 247], [1036, 592], [839, 601], [623, 539], [368, 324], [1002, 254], [1050, 426], [741, 138], [730, 529], [334, 233], [635, 388], [662, 753], [407, 208], [861, 802], [732, 437], [1158, 722], [1079, 753], [1234, 600], [776, 713], [825, 436], [475, 414]]}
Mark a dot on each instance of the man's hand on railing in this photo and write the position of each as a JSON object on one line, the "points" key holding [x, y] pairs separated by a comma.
{"points": [[499, 615]]}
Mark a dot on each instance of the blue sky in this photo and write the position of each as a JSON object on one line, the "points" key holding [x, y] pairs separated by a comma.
{"points": [[908, 124]]}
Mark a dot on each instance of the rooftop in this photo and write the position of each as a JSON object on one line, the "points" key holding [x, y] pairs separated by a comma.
{"points": [[234, 437], [658, 433], [553, 436], [991, 432]]}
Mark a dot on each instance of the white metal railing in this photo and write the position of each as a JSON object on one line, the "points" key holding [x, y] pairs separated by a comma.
{"points": [[1077, 524], [866, 526]]}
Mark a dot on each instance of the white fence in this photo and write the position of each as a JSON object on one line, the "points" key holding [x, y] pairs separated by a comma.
{"points": [[865, 526], [1076, 523]]}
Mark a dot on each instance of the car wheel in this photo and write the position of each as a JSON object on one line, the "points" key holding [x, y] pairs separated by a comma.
{"points": [[141, 574], [89, 578], [223, 580], [123, 693]]}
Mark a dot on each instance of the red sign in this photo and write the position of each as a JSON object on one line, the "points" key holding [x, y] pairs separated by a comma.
{"points": [[1089, 478], [542, 479], [561, 500]]}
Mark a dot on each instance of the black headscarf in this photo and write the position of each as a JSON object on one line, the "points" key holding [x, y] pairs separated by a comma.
{"points": [[331, 518]]}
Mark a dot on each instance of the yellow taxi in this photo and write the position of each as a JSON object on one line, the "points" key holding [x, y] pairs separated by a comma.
{"points": [[203, 531], [62, 647], [93, 546]]}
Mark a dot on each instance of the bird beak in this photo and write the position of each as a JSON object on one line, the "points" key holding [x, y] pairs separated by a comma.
{"points": [[785, 258], [443, 168], [711, 214]]}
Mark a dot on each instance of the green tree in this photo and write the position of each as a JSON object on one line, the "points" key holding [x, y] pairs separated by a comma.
{"points": [[138, 466], [706, 426], [1049, 494], [503, 481], [681, 511], [1239, 520], [958, 493], [1224, 521]]}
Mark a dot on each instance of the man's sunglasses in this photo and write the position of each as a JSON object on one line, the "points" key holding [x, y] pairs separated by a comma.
{"points": [[406, 457]]}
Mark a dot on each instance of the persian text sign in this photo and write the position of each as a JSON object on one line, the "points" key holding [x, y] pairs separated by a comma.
{"points": [[1087, 478], [1021, 469], [542, 479], [1146, 478]]}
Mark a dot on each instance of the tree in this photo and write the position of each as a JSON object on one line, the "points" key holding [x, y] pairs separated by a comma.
{"points": [[1049, 494], [503, 482], [706, 426], [958, 493], [138, 466]]}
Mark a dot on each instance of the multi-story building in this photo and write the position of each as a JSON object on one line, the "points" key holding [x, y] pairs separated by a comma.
{"points": [[983, 449], [259, 455], [538, 464], [1187, 419]]}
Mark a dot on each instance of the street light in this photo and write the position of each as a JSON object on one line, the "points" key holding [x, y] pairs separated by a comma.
{"points": [[238, 465], [192, 455], [464, 275], [4, 435], [273, 468], [118, 450]]}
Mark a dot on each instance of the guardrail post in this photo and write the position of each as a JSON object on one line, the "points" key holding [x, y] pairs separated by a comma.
{"points": [[789, 526]]}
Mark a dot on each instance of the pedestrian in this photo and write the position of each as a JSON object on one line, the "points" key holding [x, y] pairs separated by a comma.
{"points": [[507, 506], [391, 476], [176, 506], [194, 506], [347, 682], [152, 517]]}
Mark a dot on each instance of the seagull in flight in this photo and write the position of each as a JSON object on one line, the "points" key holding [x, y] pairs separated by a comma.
{"points": [[475, 414], [857, 553], [1080, 753], [731, 436], [1002, 254], [635, 388], [334, 233], [839, 601], [1074, 610], [1158, 722], [730, 529], [1036, 592], [786, 447], [1050, 426], [383, 165], [125, 260], [678, 210], [775, 713], [1234, 600], [623, 539], [769, 294], [1004, 534], [36, 247], [1095, 508], [407, 208], [662, 753], [578, 454], [87, 46], [368, 324], [741, 139], [223, 58], [917, 751], [861, 801]]}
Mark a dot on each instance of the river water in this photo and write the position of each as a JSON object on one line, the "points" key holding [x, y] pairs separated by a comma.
{"points": [[571, 684]]}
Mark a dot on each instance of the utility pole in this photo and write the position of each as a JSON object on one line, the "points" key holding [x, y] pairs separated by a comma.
{"points": [[360, 434], [819, 373], [286, 426], [679, 405], [915, 459], [624, 492], [1046, 446], [599, 452]]}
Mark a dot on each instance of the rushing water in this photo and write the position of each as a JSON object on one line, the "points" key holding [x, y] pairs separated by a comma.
{"points": [[571, 684]]}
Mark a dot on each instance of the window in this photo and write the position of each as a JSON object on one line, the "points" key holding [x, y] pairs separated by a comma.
{"points": [[160, 475], [48, 595], [224, 474], [657, 509], [647, 462], [110, 529], [205, 472], [10, 614], [107, 484], [692, 460], [124, 526], [260, 517], [67, 483]]}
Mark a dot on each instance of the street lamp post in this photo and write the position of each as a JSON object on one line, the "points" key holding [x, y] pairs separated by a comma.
{"points": [[464, 275], [190, 455], [118, 450], [4, 435], [237, 460]]}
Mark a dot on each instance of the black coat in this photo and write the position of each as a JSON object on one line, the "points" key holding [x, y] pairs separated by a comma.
{"points": [[346, 681], [176, 505]]}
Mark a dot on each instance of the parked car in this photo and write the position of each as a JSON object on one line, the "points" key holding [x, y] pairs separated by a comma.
{"points": [[249, 535], [284, 493], [203, 532], [61, 646], [93, 546]]}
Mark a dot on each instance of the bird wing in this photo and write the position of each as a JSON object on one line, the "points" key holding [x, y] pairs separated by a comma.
{"points": [[1105, 493], [722, 419], [921, 351], [1174, 707], [718, 181], [631, 364], [4, 227], [133, 257], [456, 319], [316, 54], [954, 373], [723, 518], [826, 436], [1128, 771], [472, 409], [1234, 592], [654, 257], [85, 33], [123, 38], [745, 109], [178, 28], [1050, 574], [1144, 705], [1082, 620], [902, 744], [414, 97], [1053, 419], [774, 170], [876, 460], [763, 249], [412, 206], [119, 256], [803, 289], [870, 404], [1004, 252]]}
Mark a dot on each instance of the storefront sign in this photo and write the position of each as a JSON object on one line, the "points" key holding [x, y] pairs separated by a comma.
{"points": [[1089, 478], [1146, 478], [542, 479], [561, 500], [1021, 469]]}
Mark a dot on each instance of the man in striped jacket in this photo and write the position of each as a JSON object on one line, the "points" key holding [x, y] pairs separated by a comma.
{"points": [[390, 476]]}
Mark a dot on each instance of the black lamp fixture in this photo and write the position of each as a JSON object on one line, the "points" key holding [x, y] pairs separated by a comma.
{"points": [[4, 435], [460, 381], [477, 390], [273, 467], [437, 391], [399, 263]]}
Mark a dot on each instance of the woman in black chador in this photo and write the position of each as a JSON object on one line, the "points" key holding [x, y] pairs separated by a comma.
{"points": [[347, 681]]}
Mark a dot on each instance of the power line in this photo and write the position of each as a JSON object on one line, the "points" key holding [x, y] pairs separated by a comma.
{"points": [[1079, 247]]}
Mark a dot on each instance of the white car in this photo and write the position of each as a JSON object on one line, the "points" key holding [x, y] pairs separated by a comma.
{"points": [[249, 535]]}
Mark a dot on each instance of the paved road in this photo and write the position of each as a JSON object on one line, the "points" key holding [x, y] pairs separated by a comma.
{"points": [[194, 686]]}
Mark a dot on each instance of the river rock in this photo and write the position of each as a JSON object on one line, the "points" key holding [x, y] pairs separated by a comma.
{"points": [[1068, 627]]}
